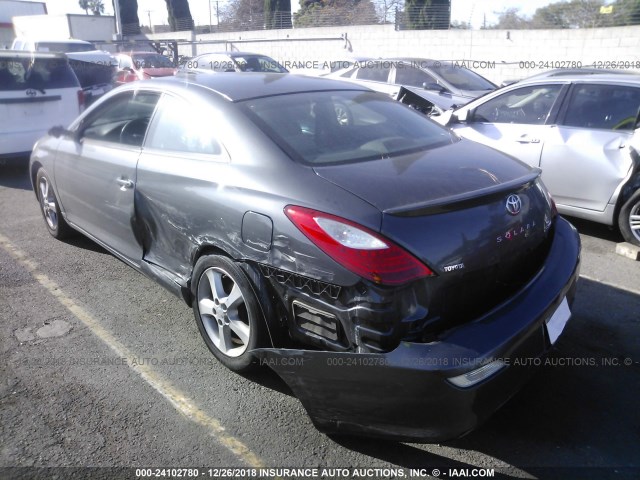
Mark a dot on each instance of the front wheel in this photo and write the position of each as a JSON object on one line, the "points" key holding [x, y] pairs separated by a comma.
{"points": [[227, 312], [50, 208], [629, 219]]}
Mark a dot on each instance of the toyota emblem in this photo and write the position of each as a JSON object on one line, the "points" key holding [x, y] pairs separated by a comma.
{"points": [[31, 92], [514, 204]]}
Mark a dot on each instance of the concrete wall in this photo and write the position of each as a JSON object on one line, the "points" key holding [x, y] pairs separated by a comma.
{"points": [[499, 53]]}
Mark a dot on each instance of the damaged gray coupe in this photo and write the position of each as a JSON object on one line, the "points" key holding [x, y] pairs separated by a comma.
{"points": [[390, 272]]}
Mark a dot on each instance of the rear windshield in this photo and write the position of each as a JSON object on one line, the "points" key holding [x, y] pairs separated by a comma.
{"points": [[90, 73], [151, 60], [36, 73], [463, 78], [343, 126], [258, 63]]}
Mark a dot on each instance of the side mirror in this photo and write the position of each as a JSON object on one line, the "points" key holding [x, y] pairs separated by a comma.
{"points": [[433, 86], [59, 131]]}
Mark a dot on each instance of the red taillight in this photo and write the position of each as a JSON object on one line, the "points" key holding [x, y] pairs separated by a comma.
{"points": [[81, 100], [357, 248]]}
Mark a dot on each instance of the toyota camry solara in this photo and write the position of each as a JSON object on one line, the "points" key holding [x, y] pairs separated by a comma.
{"points": [[398, 278]]}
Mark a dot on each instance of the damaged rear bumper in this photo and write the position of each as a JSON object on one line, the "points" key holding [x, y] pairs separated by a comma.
{"points": [[408, 394]]}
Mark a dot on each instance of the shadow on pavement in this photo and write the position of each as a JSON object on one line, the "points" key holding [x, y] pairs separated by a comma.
{"points": [[15, 176], [576, 418]]}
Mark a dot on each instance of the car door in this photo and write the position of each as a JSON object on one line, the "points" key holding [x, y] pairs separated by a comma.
{"points": [[584, 159], [95, 170], [516, 122], [182, 169]]}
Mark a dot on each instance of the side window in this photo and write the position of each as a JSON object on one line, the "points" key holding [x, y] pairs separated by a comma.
{"points": [[375, 72], [611, 107], [182, 127], [123, 120], [527, 105], [412, 76]]}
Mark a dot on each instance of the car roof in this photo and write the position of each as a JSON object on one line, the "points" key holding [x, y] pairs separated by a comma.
{"points": [[56, 40], [577, 77], [27, 54], [243, 86]]}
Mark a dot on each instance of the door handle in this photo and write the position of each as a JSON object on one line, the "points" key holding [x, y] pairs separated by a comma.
{"points": [[527, 139], [124, 183]]}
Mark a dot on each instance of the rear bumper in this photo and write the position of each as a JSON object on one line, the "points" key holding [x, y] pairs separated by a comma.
{"points": [[405, 394]]}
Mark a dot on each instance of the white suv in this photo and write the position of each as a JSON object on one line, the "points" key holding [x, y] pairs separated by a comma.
{"points": [[37, 91], [94, 68]]}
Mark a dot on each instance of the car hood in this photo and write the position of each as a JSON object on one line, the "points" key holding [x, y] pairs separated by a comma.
{"points": [[462, 169]]}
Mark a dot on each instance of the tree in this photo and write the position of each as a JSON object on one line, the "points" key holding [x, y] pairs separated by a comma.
{"points": [[243, 15], [318, 13], [427, 14], [386, 9], [625, 12], [458, 25], [96, 6], [129, 16], [84, 4], [510, 19], [572, 14], [277, 14], [179, 15]]}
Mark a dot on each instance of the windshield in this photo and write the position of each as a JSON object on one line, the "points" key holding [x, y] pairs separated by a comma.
{"points": [[65, 47], [256, 63], [462, 78], [343, 126], [151, 60]]}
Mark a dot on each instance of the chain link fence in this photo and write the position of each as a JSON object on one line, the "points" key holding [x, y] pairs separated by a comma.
{"points": [[433, 17]]}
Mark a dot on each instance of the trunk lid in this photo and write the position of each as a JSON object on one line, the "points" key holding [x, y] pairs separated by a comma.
{"points": [[479, 219]]}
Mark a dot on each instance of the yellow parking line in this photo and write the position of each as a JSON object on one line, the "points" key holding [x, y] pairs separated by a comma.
{"points": [[179, 400]]}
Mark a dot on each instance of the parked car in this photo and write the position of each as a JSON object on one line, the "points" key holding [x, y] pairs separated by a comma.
{"points": [[37, 91], [94, 68], [389, 271], [219, 62], [143, 66], [578, 129], [446, 83], [564, 72]]}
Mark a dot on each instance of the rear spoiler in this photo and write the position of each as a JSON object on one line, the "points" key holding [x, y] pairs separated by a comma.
{"points": [[463, 200]]}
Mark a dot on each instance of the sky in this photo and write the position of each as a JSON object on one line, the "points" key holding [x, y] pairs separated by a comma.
{"points": [[473, 11]]}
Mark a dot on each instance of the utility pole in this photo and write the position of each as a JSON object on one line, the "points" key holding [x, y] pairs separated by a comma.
{"points": [[150, 24], [209, 16]]}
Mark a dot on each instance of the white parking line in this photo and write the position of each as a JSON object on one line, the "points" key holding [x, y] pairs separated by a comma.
{"points": [[178, 399]]}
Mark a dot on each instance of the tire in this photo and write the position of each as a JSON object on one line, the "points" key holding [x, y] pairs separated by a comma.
{"points": [[230, 328], [629, 219], [50, 207]]}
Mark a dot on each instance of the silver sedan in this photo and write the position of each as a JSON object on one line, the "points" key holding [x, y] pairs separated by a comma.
{"points": [[581, 130]]}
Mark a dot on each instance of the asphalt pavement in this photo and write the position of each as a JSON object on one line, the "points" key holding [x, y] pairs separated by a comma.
{"points": [[101, 368]]}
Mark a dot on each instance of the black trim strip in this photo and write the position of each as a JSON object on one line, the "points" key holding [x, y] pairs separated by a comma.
{"points": [[53, 98]]}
